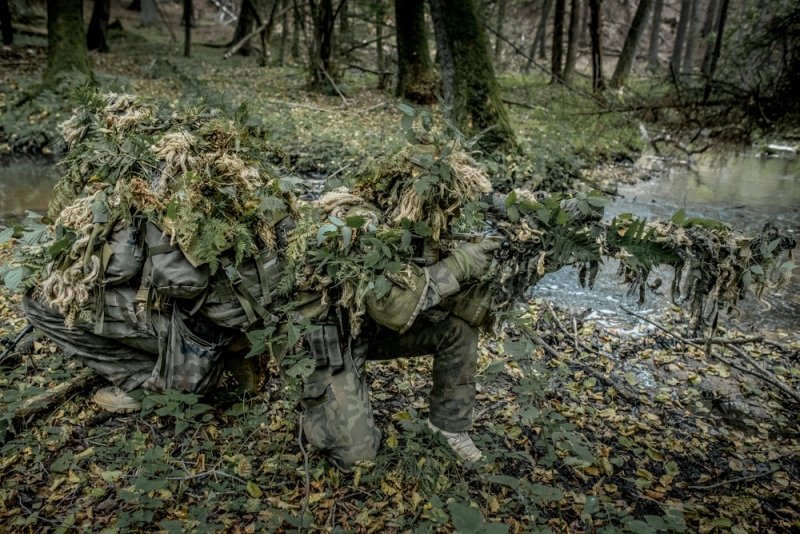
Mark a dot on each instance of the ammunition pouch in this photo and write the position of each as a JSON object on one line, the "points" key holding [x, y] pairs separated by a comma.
{"points": [[324, 345], [122, 254], [472, 304], [167, 271]]}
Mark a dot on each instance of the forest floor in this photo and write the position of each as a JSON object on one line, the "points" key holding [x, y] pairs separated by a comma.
{"points": [[590, 428]]}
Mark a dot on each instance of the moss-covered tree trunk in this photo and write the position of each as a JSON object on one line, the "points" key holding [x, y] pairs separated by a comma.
{"points": [[628, 54], [416, 80], [98, 26], [470, 85], [66, 41], [5, 23]]}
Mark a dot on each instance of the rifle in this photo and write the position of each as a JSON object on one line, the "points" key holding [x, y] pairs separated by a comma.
{"points": [[10, 344]]}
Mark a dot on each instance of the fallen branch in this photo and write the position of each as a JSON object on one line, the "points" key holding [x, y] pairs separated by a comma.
{"points": [[34, 406], [759, 371], [235, 48], [608, 382], [735, 480]]}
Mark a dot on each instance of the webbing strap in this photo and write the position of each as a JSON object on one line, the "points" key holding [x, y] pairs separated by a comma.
{"points": [[248, 301], [160, 249]]}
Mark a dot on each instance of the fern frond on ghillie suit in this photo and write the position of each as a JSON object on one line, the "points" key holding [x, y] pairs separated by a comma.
{"points": [[201, 176], [355, 242], [714, 266]]}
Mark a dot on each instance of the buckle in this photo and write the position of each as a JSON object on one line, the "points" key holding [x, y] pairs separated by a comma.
{"points": [[233, 274]]}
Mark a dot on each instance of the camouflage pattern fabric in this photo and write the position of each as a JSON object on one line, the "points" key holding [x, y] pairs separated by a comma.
{"points": [[338, 415], [188, 362], [454, 345], [124, 352]]}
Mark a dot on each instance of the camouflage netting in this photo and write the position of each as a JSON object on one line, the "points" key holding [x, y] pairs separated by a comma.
{"points": [[203, 177]]}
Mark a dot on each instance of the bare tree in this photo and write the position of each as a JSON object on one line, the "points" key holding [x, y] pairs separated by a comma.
{"points": [[598, 82], [572, 43], [707, 33], [500, 23], [322, 68], [628, 54], [148, 13], [655, 36], [540, 38], [680, 37], [691, 41], [558, 42], [712, 66], [188, 14], [5, 23], [98, 26]]}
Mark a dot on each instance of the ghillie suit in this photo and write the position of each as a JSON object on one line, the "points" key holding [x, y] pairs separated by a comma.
{"points": [[168, 223], [355, 243], [201, 177]]}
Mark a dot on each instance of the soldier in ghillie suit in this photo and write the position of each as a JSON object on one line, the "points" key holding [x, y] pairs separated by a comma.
{"points": [[176, 246]]}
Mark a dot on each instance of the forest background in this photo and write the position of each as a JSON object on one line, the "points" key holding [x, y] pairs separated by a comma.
{"points": [[561, 96]]}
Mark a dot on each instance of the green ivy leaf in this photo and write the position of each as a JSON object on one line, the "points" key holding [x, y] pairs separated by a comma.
{"points": [[6, 235], [407, 110], [422, 229], [466, 519]]}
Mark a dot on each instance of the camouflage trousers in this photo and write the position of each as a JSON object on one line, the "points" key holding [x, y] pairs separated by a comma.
{"points": [[156, 351], [338, 415]]}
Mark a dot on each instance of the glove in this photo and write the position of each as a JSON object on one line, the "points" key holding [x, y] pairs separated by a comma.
{"points": [[471, 260]]}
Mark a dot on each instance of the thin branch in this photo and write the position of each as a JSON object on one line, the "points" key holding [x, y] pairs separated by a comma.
{"points": [[735, 480], [336, 87], [759, 372]]}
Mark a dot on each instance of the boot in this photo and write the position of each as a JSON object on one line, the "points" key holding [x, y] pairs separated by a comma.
{"points": [[460, 443], [114, 400]]}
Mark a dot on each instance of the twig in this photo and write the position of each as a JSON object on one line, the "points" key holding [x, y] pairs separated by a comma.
{"points": [[735, 480], [235, 48], [726, 341], [336, 87], [523, 105], [212, 472], [759, 372], [598, 375], [306, 480], [304, 106], [766, 374]]}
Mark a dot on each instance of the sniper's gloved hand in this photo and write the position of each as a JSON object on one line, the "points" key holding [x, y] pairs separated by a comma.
{"points": [[471, 260]]}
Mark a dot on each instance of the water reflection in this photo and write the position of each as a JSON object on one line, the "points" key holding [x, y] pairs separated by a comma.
{"points": [[25, 184]]}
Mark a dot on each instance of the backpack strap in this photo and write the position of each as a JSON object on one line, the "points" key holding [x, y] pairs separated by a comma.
{"points": [[249, 303]]}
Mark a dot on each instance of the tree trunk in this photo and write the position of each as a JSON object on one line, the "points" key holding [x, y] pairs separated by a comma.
{"points": [[148, 13], [655, 36], [632, 39], [66, 44], [501, 21], [248, 20], [598, 82], [572, 43], [680, 38], [470, 86], [416, 80], [707, 34], [380, 16], [298, 22], [558, 42], [321, 62], [5, 23], [187, 24], [98, 26], [712, 66], [345, 28], [136, 5], [284, 33], [691, 41], [584, 27], [539, 41]]}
